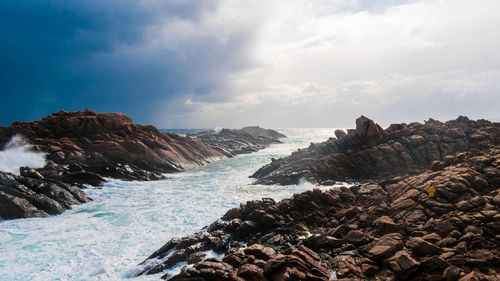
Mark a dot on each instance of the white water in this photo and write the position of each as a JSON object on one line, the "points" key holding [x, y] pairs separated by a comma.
{"points": [[127, 221], [17, 153]]}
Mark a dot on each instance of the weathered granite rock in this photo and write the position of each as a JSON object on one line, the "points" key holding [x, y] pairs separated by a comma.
{"points": [[385, 230], [369, 152], [85, 146], [34, 196], [231, 142]]}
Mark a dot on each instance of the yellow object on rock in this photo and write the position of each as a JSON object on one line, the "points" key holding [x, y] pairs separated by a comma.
{"points": [[432, 189]]}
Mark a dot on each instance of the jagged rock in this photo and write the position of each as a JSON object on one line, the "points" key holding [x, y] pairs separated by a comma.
{"points": [[260, 252], [340, 134], [452, 273], [25, 197], [231, 142], [367, 131], [390, 229], [30, 173], [357, 237], [403, 264], [83, 146], [369, 152], [422, 248], [251, 272], [12, 207], [348, 266], [386, 246], [296, 264], [385, 225]]}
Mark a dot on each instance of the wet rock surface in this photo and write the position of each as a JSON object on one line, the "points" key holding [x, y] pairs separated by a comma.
{"points": [[83, 147], [231, 142], [389, 229], [370, 152], [31, 195]]}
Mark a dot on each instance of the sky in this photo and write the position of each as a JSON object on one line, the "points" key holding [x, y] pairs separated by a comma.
{"points": [[232, 63]]}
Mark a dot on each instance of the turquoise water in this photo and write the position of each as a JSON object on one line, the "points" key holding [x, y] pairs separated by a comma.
{"points": [[127, 221]]}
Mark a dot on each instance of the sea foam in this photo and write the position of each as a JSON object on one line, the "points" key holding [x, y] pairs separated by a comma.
{"points": [[18, 153], [107, 238]]}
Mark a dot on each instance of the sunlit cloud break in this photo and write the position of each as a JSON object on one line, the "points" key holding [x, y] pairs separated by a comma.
{"points": [[333, 61], [233, 63]]}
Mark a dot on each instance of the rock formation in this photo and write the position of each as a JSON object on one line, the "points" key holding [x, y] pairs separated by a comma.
{"points": [[388, 228], [385, 230], [370, 152], [231, 142], [32, 195], [84, 146]]}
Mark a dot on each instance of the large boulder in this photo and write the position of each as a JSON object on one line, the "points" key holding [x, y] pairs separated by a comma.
{"points": [[25, 197], [368, 132], [83, 147]]}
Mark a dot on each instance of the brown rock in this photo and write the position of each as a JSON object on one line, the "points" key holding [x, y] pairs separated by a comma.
{"points": [[385, 224], [403, 264], [368, 269], [422, 248], [260, 252], [340, 134], [357, 237], [443, 227], [473, 276], [386, 246], [432, 237], [452, 273], [348, 266], [368, 131], [251, 272], [12, 207], [434, 263], [107, 144], [296, 264]]}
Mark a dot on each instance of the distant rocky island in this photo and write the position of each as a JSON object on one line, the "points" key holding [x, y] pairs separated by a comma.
{"points": [[84, 147], [231, 142], [426, 206]]}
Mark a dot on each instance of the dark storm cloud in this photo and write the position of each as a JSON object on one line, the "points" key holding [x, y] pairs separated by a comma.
{"points": [[75, 54]]}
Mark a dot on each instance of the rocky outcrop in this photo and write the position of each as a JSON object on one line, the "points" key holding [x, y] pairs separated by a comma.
{"points": [[32, 195], [84, 146], [385, 230], [231, 142], [369, 152]]}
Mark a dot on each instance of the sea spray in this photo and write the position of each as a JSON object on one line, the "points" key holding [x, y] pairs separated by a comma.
{"points": [[107, 238], [18, 153]]}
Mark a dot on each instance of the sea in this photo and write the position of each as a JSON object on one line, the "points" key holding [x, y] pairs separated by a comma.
{"points": [[107, 238]]}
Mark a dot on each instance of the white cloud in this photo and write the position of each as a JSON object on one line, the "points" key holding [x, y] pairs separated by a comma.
{"points": [[323, 63]]}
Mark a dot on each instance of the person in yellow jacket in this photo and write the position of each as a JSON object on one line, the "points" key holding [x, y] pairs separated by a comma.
{"points": [[432, 191]]}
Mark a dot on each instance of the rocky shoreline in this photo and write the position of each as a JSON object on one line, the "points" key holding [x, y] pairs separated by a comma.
{"points": [[370, 152], [81, 144], [231, 142], [390, 228], [82, 148], [31, 195]]}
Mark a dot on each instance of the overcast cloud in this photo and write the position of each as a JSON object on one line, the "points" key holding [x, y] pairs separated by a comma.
{"points": [[280, 63]]}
